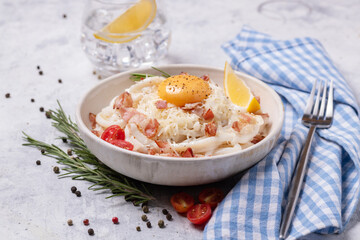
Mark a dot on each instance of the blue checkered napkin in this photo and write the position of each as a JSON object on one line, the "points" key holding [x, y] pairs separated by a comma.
{"points": [[252, 210]]}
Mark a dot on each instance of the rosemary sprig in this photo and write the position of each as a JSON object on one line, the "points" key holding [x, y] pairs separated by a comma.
{"points": [[164, 74], [85, 166], [140, 76]]}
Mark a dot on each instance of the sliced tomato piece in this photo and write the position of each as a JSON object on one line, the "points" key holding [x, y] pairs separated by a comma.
{"points": [[212, 196], [182, 202], [200, 213], [122, 143], [113, 132]]}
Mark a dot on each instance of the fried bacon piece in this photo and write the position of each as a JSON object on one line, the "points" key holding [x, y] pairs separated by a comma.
{"points": [[151, 127], [191, 106], [208, 115], [92, 118], [161, 144], [198, 109], [97, 133], [246, 118], [187, 153], [165, 148], [123, 101], [136, 117], [148, 126], [257, 139], [161, 104], [151, 151], [210, 129], [195, 108], [237, 126], [205, 77]]}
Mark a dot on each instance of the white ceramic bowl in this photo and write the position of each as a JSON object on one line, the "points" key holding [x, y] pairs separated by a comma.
{"points": [[176, 171]]}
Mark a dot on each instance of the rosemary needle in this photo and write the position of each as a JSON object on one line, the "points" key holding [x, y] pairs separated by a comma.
{"points": [[140, 76], [85, 166]]}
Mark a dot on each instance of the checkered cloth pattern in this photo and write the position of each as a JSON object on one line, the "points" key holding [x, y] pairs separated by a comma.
{"points": [[253, 208]]}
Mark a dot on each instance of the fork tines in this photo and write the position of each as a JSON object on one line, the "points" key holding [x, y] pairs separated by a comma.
{"points": [[315, 113]]}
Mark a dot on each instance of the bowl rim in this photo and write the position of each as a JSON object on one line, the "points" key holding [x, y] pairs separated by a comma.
{"points": [[149, 157]]}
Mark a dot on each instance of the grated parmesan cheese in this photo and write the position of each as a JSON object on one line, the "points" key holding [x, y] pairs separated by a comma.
{"points": [[183, 129]]}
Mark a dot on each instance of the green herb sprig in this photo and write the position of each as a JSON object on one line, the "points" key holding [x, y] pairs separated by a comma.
{"points": [[140, 76], [85, 165]]}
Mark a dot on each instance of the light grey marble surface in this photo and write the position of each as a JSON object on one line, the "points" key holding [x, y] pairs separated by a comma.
{"points": [[34, 204]]}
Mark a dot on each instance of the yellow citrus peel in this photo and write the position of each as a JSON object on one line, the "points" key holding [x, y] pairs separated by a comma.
{"points": [[238, 92], [134, 20]]}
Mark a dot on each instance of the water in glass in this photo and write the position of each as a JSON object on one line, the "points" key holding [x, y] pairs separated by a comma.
{"points": [[109, 58]]}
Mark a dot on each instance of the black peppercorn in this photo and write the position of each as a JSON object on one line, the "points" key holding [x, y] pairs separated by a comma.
{"points": [[69, 152], [41, 73], [60, 81], [148, 224], [42, 151], [91, 231], [70, 222], [161, 223], [164, 211], [168, 217], [78, 193], [56, 169], [48, 114], [38, 67], [64, 15], [64, 140], [145, 209], [7, 95], [138, 228], [144, 218], [73, 189], [32, 100], [41, 109], [38, 162]]}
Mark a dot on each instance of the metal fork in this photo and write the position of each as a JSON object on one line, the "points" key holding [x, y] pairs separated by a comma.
{"points": [[314, 117]]}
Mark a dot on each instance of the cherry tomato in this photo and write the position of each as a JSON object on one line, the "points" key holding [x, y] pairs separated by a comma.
{"points": [[122, 143], [113, 132], [212, 196], [199, 214], [182, 202]]}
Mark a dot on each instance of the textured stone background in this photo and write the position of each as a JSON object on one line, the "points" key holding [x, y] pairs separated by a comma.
{"points": [[34, 204]]}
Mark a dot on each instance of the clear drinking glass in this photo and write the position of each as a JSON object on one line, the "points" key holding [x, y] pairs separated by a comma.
{"points": [[284, 10], [147, 47]]}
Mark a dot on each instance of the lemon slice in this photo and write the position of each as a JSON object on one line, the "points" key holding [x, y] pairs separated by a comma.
{"points": [[136, 19], [238, 92]]}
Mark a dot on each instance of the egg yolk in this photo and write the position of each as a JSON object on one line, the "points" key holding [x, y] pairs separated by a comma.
{"points": [[182, 89]]}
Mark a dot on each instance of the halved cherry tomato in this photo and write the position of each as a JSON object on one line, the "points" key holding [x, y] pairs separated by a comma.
{"points": [[182, 202], [199, 214], [113, 132], [122, 143], [212, 196]]}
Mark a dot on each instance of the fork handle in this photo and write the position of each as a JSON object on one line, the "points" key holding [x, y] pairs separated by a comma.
{"points": [[296, 185]]}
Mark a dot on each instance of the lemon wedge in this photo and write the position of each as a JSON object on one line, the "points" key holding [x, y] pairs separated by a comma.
{"points": [[238, 92], [135, 19]]}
